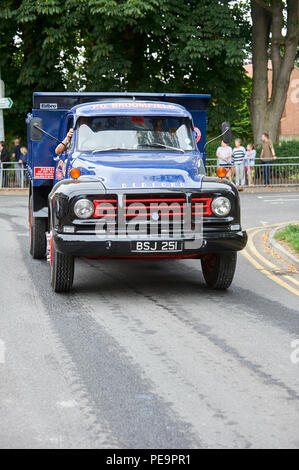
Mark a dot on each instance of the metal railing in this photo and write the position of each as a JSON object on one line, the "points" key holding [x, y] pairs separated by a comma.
{"points": [[274, 173], [13, 176]]}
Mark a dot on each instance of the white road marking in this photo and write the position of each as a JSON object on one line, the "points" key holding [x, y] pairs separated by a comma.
{"points": [[2, 351], [281, 200], [67, 404]]}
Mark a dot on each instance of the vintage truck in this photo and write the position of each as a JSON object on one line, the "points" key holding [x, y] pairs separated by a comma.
{"points": [[130, 184]]}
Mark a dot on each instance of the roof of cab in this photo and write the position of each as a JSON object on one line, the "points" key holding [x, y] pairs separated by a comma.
{"points": [[129, 108]]}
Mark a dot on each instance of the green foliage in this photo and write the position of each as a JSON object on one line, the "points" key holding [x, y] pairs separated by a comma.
{"points": [[242, 125], [211, 152], [284, 151], [290, 235], [133, 45], [287, 149]]}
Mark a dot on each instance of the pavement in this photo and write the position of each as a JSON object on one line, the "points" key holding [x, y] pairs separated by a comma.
{"points": [[142, 354]]}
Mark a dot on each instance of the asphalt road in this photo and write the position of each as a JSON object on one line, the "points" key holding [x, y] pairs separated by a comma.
{"points": [[142, 354]]}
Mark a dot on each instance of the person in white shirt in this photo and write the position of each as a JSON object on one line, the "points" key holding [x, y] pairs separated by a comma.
{"points": [[238, 159], [224, 158]]}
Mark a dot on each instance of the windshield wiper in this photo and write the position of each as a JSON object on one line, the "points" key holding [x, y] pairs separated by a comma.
{"points": [[111, 149], [157, 144]]}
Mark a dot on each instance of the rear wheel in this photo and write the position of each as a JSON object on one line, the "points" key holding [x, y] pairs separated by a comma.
{"points": [[219, 269], [62, 269], [37, 234]]}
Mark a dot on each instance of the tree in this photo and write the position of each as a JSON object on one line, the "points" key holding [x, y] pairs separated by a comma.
{"points": [[123, 45], [275, 36], [38, 51], [241, 127], [170, 46]]}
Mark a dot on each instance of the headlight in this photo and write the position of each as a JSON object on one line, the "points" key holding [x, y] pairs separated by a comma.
{"points": [[84, 209], [221, 206]]}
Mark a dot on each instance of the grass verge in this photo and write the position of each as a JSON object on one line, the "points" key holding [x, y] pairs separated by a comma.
{"points": [[290, 235]]}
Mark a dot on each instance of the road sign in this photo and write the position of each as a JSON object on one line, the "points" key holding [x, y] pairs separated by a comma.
{"points": [[6, 103]]}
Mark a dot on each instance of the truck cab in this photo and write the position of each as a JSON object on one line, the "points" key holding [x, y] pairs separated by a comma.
{"points": [[129, 184]]}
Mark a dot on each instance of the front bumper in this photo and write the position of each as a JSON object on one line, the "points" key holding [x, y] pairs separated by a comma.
{"points": [[93, 246]]}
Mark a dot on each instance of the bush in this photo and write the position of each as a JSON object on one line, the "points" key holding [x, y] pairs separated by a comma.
{"points": [[287, 149], [284, 150]]}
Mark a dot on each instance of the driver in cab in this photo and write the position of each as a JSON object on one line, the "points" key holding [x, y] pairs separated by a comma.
{"points": [[64, 145]]}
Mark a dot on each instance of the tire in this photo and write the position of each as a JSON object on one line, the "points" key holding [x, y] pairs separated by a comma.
{"points": [[62, 269], [218, 269], [37, 234]]}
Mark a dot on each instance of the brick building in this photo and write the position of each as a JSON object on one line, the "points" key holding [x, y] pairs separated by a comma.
{"points": [[289, 124]]}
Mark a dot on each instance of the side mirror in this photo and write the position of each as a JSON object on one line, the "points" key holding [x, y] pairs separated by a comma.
{"points": [[226, 132], [34, 133]]}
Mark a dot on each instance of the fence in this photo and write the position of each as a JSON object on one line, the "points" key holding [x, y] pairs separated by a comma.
{"points": [[13, 176], [274, 173], [279, 174]]}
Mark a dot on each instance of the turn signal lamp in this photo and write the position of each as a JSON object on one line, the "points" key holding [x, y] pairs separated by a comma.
{"points": [[221, 172], [75, 173]]}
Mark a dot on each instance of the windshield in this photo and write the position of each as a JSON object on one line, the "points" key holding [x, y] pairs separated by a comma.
{"points": [[96, 134]]}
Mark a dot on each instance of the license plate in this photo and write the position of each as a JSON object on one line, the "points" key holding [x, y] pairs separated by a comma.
{"points": [[157, 247]]}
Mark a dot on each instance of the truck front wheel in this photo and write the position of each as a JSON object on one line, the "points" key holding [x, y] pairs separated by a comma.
{"points": [[62, 269], [219, 269], [37, 234]]}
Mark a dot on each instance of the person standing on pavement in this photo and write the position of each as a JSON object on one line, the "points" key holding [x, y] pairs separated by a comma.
{"points": [[224, 158], [4, 154], [250, 162], [23, 157], [239, 160], [23, 160], [4, 158], [16, 154], [267, 156]]}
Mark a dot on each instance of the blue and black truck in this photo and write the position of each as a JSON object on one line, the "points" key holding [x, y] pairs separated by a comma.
{"points": [[129, 184]]}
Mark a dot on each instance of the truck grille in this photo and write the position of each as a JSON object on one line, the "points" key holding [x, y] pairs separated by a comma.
{"points": [[205, 201], [166, 210], [172, 205], [106, 207]]}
